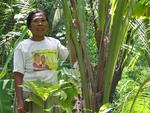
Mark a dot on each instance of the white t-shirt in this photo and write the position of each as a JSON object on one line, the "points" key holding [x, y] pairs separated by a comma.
{"points": [[37, 60]]}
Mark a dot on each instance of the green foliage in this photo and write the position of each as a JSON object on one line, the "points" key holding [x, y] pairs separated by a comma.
{"points": [[91, 44], [141, 9], [12, 18], [5, 96], [127, 89], [72, 76], [68, 99], [105, 108], [6, 18], [41, 91], [11, 24], [4, 70], [69, 75], [140, 102]]}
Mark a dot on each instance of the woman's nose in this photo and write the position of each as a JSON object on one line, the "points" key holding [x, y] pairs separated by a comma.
{"points": [[39, 22]]}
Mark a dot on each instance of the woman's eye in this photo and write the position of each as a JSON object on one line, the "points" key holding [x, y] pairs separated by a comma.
{"points": [[35, 21], [43, 20]]}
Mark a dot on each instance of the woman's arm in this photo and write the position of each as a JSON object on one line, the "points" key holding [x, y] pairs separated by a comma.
{"points": [[19, 92]]}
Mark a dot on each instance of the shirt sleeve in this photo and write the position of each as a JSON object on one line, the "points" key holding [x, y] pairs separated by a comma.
{"points": [[62, 51], [18, 61]]}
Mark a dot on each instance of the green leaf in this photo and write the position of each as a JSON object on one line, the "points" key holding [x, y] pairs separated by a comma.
{"points": [[41, 91], [5, 98], [10, 56], [35, 99], [105, 108]]}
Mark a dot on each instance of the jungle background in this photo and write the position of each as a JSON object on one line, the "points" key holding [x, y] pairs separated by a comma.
{"points": [[112, 43]]}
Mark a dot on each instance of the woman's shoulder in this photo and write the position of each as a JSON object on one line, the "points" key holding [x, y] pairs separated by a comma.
{"points": [[24, 43], [52, 39]]}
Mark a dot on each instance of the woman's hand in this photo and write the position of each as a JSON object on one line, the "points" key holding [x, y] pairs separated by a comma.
{"points": [[21, 110], [19, 92]]}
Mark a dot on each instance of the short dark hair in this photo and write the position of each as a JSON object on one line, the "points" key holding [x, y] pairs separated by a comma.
{"points": [[29, 18]]}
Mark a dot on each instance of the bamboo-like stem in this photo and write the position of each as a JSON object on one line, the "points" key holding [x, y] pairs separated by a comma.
{"points": [[116, 39], [102, 14], [88, 76], [71, 31], [102, 50]]}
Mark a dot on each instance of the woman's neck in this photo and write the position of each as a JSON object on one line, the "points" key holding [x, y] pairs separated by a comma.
{"points": [[37, 38]]}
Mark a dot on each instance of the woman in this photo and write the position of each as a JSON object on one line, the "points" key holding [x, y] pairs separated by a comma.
{"points": [[38, 45]]}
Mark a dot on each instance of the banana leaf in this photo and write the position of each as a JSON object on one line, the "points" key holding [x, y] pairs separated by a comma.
{"points": [[5, 99]]}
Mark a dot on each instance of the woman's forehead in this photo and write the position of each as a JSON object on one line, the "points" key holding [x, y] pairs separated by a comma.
{"points": [[38, 15]]}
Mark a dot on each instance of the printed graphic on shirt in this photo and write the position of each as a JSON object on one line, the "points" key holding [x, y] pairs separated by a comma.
{"points": [[44, 60]]}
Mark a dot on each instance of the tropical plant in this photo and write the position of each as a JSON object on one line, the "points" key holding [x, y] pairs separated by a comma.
{"points": [[107, 37], [41, 91], [109, 42]]}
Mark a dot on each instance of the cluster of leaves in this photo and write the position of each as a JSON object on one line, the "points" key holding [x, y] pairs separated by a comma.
{"points": [[127, 89], [67, 89], [12, 22], [135, 73], [41, 91]]}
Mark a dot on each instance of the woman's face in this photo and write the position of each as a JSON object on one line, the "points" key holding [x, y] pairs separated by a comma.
{"points": [[39, 25]]}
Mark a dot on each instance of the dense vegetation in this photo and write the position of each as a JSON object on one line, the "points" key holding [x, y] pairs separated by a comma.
{"points": [[112, 42]]}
